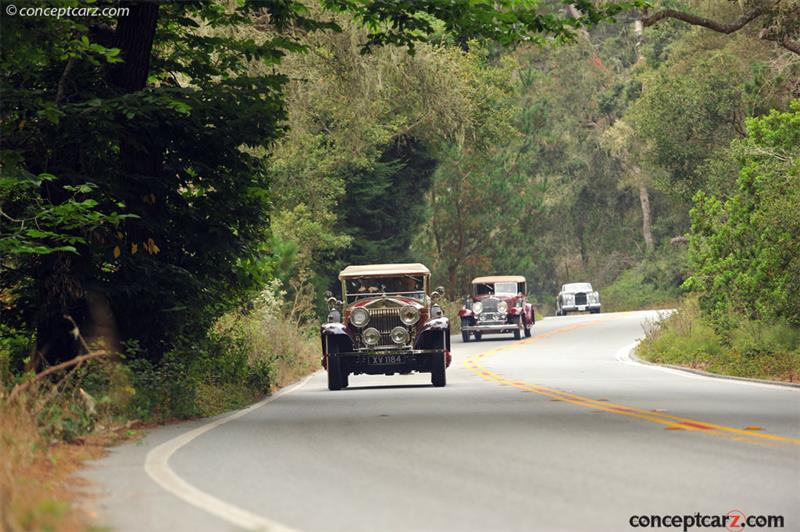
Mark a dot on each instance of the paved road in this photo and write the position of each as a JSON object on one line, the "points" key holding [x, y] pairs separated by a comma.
{"points": [[557, 432]]}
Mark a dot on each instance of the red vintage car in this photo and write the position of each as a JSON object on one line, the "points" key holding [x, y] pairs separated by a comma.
{"points": [[390, 323], [498, 304]]}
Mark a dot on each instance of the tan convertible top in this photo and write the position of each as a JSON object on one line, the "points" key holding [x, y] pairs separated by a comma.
{"points": [[378, 270], [499, 279]]}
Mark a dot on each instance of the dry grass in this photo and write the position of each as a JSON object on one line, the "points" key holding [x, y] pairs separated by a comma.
{"points": [[37, 489]]}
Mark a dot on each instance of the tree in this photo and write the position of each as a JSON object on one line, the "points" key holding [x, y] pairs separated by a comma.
{"points": [[745, 249], [621, 141]]}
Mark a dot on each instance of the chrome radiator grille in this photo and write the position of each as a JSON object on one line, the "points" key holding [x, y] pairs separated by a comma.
{"points": [[385, 319], [489, 305], [580, 299]]}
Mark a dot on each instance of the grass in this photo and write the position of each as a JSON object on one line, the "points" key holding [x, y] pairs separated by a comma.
{"points": [[37, 489], [633, 291], [747, 348]]}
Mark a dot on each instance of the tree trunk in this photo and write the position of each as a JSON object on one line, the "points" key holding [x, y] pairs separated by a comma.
{"points": [[647, 231], [134, 37], [452, 278]]}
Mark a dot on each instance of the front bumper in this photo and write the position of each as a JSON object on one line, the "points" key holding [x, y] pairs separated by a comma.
{"points": [[394, 352], [581, 308], [389, 361], [490, 328]]}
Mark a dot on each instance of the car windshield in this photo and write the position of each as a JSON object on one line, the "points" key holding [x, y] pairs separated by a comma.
{"points": [[505, 289], [405, 285], [577, 287]]}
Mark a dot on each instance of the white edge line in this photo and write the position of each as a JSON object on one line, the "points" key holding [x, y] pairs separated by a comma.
{"points": [[157, 467], [623, 356]]}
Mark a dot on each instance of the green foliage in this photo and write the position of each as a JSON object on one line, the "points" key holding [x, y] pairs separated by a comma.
{"points": [[151, 190], [745, 249], [654, 283], [506, 22]]}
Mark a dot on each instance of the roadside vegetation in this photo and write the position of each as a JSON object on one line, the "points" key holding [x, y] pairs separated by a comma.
{"points": [[49, 426], [744, 316], [744, 348], [177, 198]]}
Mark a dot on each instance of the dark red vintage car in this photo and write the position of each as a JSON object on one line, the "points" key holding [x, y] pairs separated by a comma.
{"points": [[498, 304], [390, 323]]}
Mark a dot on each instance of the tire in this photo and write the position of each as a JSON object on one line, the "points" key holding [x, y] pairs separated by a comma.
{"points": [[529, 329], [438, 370], [519, 321], [465, 334], [478, 336], [595, 311], [335, 380]]}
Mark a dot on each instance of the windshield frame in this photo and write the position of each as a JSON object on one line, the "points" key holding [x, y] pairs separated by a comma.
{"points": [[352, 297]]}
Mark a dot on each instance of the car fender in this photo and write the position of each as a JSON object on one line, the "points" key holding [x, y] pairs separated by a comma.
{"points": [[433, 334], [335, 334], [465, 313], [530, 313]]}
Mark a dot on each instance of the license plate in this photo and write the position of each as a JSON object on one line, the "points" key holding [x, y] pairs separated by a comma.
{"points": [[386, 360], [581, 307]]}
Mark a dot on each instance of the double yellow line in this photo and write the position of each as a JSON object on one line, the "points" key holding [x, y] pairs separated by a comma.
{"points": [[670, 422]]}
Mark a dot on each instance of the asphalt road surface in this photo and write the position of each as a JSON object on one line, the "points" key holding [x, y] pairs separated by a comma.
{"points": [[561, 431]]}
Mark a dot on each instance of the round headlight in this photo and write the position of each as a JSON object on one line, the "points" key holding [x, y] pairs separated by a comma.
{"points": [[372, 336], [502, 307], [400, 335], [477, 307], [409, 315], [359, 317]]}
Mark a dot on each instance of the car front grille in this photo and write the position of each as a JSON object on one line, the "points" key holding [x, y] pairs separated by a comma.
{"points": [[385, 319], [489, 305], [580, 299]]}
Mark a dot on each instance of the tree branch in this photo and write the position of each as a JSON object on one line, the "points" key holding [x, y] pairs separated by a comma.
{"points": [[727, 28], [695, 20], [19, 388]]}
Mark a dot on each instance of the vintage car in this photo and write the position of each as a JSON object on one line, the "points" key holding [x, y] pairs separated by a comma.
{"points": [[577, 297], [390, 323], [498, 304]]}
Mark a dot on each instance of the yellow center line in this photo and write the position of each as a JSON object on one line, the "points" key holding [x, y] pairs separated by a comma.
{"points": [[671, 422]]}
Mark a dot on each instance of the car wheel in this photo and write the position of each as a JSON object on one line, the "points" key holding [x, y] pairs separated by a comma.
{"points": [[465, 334], [595, 311], [529, 328], [334, 373], [478, 336], [438, 372], [520, 323]]}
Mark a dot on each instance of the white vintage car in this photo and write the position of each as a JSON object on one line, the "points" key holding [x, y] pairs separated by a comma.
{"points": [[577, 297]]}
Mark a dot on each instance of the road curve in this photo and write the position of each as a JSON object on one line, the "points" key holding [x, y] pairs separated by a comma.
{"points": [[560, 431]]}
